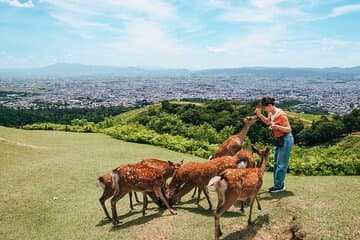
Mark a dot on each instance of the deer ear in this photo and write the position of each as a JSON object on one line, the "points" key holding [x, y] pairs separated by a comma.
{"points": [[170, 162]]}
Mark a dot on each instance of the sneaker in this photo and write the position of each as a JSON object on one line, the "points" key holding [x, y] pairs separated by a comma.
{"points": [[275, 189]]}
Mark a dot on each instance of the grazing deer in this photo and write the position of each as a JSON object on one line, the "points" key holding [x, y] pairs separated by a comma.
{"points": [[136, 177], [105, 182], [234, 184], [196, 174]]}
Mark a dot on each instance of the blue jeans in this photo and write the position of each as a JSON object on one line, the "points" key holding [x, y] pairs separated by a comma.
{"points": [[281, 160]]}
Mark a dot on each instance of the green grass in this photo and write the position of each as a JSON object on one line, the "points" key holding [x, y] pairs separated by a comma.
{"points": [[306, 118], [48, 191], [133, 115]]}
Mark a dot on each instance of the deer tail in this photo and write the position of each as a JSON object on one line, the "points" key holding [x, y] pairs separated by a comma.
{"points": [[115, 176], [214, 180], [100, 183]]}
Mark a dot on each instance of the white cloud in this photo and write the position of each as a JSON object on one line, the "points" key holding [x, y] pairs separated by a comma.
{"points": [[338, 11], [246, 15], [87, 17], [255, 40], [265, 3], [259, 11], [216, 50], [146, 38], [5, 55], [16, 3]]}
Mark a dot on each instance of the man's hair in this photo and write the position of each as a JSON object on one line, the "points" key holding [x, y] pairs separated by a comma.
{"points": [[267, 100]]}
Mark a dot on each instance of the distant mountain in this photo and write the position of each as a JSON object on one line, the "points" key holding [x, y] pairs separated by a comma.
{"points": [[282, 71], [65, 69]]}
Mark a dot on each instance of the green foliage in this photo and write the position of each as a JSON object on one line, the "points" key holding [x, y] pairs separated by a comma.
{"points": [[83, 127], [321, 131], [327, 160], [352, 121], [198, 129], [166, 123], [138, 133], [18, 117]]}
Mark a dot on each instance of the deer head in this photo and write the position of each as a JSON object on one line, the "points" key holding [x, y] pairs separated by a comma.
{"points": [[249, 120]]}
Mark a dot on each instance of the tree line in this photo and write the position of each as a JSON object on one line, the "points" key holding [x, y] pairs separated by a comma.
{"points": [[11, 117]]}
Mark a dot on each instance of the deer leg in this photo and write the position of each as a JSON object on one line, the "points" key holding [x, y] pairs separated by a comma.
{"points": [[106, 195], [206, 192], [145, 203], [242, 206], [199, 193], [131, 202], [117, 196], [193, 195], [251, 206], [136, 197], [258, 203], [220, 211], [159, 194]]}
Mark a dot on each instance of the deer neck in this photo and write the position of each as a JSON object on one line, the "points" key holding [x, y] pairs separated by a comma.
{"points": [[263, 164], [243, 131]]}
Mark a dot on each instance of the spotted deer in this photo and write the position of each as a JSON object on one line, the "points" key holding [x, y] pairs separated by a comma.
{"points": [[235, 142], [234, 184], [195, 174], [105, 181], [136, 177]]}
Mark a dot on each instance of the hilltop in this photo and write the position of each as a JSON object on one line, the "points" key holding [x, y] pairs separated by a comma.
{"points": [[198, 129], [48, 191]]}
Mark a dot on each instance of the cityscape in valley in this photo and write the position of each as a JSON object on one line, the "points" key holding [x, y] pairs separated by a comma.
{"points": [[335, 90]]}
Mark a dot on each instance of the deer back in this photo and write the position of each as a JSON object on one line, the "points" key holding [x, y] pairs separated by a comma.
{"points": [[246, 155], [140, 177], [166, 167]]}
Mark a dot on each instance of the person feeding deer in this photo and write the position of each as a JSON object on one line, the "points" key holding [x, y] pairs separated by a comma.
{"points": [[283, 140]]}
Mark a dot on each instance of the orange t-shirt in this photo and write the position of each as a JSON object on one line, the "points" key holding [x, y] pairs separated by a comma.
{"points": [[281, 120]]}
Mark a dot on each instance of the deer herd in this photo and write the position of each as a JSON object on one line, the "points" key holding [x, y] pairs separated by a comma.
{"points": [[231, 169]]}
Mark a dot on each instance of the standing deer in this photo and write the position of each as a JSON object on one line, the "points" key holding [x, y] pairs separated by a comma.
{"points": [[105, 181], [195, 174], [235, 142], [234, 184], [136, 177]]}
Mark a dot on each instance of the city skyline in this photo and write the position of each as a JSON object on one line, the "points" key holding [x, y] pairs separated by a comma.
{"points": [[176, 34]]}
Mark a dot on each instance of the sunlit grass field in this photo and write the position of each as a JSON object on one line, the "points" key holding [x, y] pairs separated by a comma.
{"points": [[48, 191]]}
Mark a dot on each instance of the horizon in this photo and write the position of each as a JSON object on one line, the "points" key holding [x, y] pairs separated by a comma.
{"points": [[164, 68], [171, 34]]}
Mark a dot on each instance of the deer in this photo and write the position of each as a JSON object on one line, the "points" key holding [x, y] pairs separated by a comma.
{"points": [[234, 184], [233, 144], [196, 174], [105, 182], [136, 177]]}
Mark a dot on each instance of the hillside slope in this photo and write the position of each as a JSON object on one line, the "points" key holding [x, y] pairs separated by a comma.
{"points": [[48, 191]]}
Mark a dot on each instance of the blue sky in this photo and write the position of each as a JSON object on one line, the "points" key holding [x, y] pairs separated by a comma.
{"points": [[180, 34]]}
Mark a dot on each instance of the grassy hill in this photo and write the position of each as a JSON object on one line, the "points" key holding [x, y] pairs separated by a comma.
{"points": [[48, 191]]}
